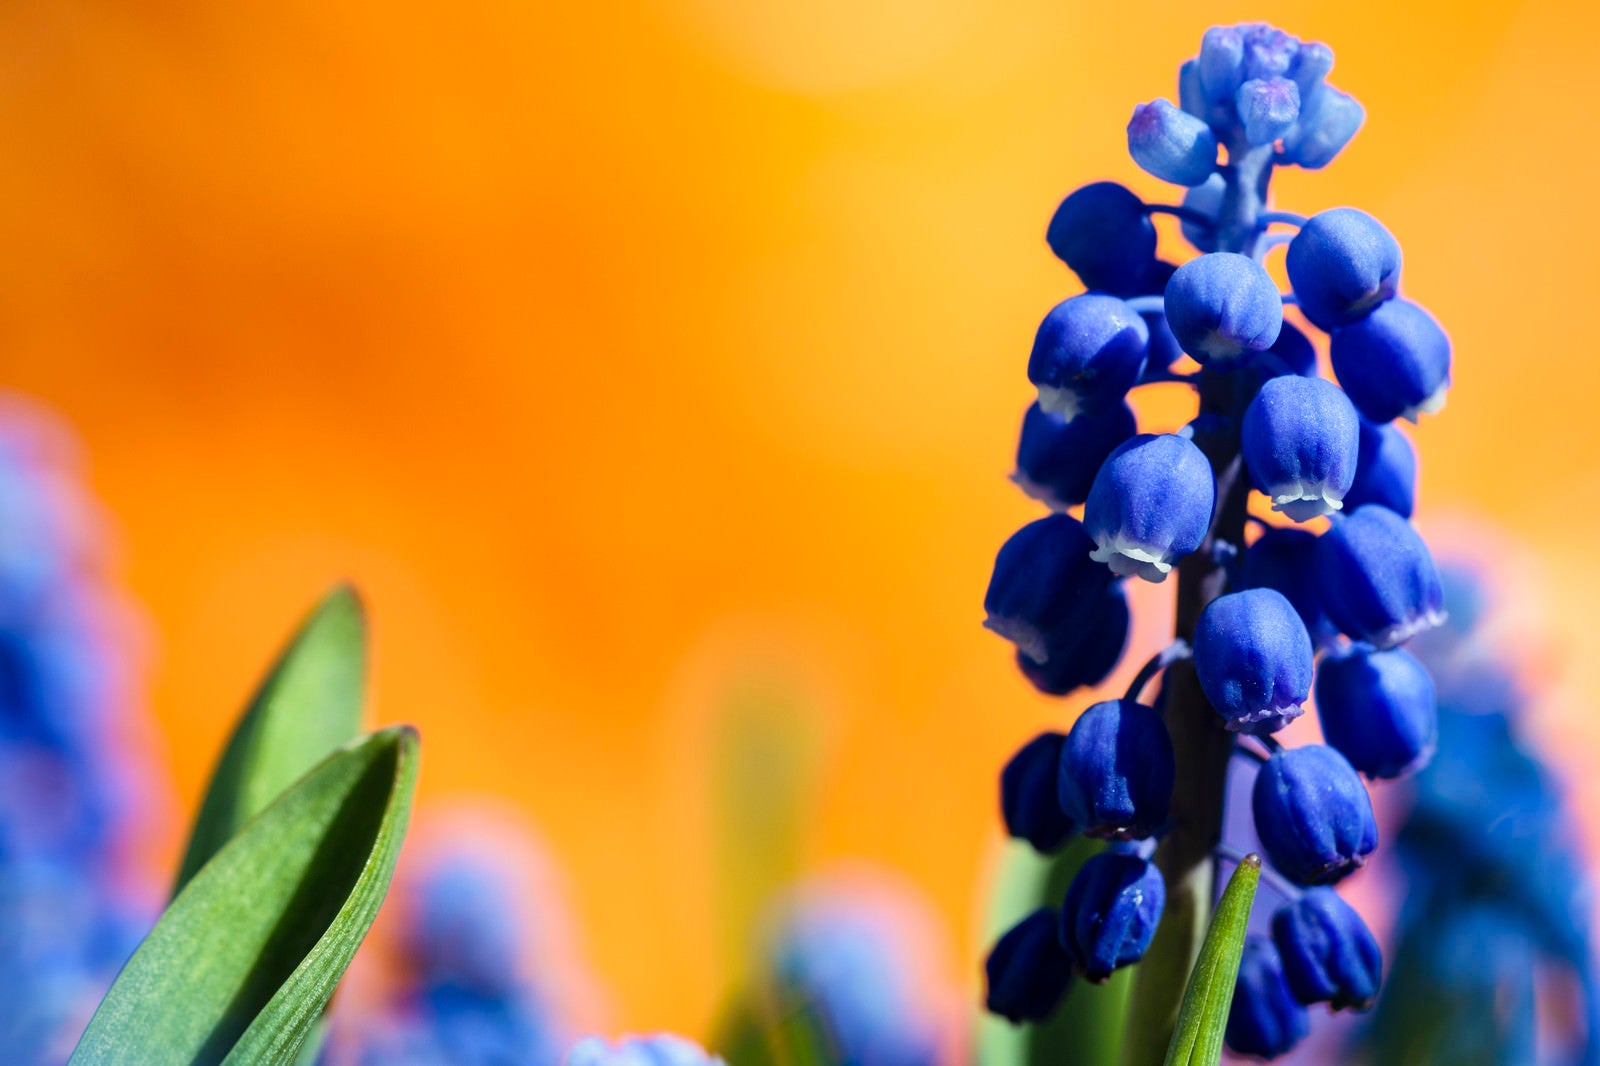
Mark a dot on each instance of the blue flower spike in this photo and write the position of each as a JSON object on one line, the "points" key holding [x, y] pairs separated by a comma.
{"points": [[1378, 709], [1301, 440], [1313, 815], [1116, 771], [1029, 802], [1377, 579], [1150, 505], [1089, 351], [1281, 559], [1254, 660], [1222, 305], [1268, 108], [1103, 234], [1329, 955], [1028, 970], [1342, 265], [1172, 144], [1394, 363], [1082, 656], [1057, 458], [1386, 470], [1264, 1020], [1044, 586], [1110, 913]]}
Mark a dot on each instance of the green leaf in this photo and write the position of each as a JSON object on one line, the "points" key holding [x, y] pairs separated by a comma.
{"points": [[308, 706], [240, 966], [774, 1027], [1204, 1013]]}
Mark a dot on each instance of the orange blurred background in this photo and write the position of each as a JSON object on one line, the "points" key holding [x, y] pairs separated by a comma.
{"points": [[621, 353]]}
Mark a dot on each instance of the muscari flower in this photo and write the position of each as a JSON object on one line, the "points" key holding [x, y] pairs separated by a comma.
{"points": [[1253, 657], [1281, 559], [1103, 233], [1044, 585], [1313, 815], [1111, 912], [1084, 655], [660, 1049], [1057, 458], [1150, 504], [1029, 802], [1394, 363], [1116, 771], [1328, 953], [1377, 579], [1223, 305], [1386, 470], [1264, 1019], [1301, 438], [1089, 351], [1342, 265], [1028, 970], [1378, 709], [1171, 144]]}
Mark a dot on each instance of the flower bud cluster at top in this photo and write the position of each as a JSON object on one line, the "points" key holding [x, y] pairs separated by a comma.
{"points": [[1289, 612]]}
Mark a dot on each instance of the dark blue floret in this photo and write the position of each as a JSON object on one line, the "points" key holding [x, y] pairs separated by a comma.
{"points": [[1301, 439], [1116, 771], [1111, 911], [1253, 657], [1264, 1020], [1150, 505], [1102, 232], [1028, 970], [1082, 656], [1028, 794], [1342, 264], [1058, 458], [1172, 144], [1295, 351], [1377, 579], [1329, 955], [1281, 559], [1087, 354], [1222, 305], [1313, 815], [1268, 108], [1378, 709], [1045, 585], [1386, 470], [1395, 363]]}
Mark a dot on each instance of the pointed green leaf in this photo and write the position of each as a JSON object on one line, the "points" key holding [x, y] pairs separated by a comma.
{"points": [[308, 706], [1203, 1015], [240, 966]]}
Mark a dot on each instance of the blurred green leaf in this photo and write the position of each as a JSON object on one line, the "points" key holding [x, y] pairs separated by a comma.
{"points": [[1086, 1030], [240, 966], [1203, 1015], [308, 706], [774, 1029]]}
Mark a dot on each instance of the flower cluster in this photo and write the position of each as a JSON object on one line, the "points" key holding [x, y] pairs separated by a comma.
{"points": [[1262, 622]]}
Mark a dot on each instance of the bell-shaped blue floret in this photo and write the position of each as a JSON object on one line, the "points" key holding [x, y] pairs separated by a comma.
{"points": [[1377, 579], [1342, 264], [1268, 108], [1083, 655], [1301, 438], [1313, 815], [1329, 955], [1378, 709], [1087, 354], [1116, 771], [1057, 458], [1171, 144], [1386, 470], [1205, 198], [1328, 121], [1264, 1020], [1111, 911], [1395, 363], [1312, 62], [1150, 505], [1028, 970], [1222, 305], [1029, 802], [1254, 659], [1102, 232], [1281, 559], [1044, 586]]}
